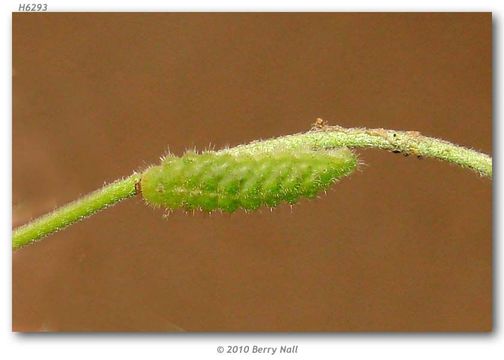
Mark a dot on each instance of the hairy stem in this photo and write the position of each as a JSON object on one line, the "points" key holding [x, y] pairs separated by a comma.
{"points": [[406, 142], [321, 137], [75, 211]]}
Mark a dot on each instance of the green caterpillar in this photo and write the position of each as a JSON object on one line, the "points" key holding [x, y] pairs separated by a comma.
{"points": [[222, 181]]}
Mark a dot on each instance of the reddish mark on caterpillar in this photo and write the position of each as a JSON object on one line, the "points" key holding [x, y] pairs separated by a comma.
{"points": [[138, 188]]}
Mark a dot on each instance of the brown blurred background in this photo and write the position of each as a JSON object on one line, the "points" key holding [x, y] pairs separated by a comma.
{"points": [[402, 245]]}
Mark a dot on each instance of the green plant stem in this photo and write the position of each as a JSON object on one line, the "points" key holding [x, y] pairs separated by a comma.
{"points": [[406, 142], [322, 137], [68, 214]]}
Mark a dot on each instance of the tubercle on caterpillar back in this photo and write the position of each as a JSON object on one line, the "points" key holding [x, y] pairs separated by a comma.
{"points": [[210, 180]]}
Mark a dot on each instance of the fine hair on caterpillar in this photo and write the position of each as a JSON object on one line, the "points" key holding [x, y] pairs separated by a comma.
{"points": [[222, 181]]}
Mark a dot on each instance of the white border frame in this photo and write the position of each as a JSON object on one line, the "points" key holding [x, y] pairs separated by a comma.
{"points": [[312, 346]]}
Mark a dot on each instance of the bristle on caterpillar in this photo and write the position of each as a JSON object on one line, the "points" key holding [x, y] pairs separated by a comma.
{"points": [[220, 181]]}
